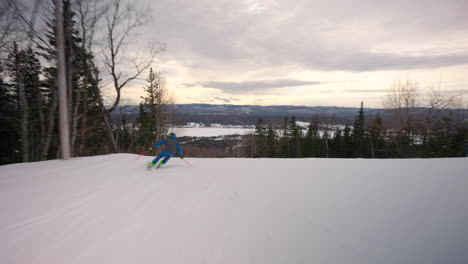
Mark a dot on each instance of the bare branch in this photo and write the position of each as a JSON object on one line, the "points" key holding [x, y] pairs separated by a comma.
{"points": [[120, 24]]}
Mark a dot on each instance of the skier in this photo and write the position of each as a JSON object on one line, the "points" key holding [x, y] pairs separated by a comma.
{"points": [[171, 146]]}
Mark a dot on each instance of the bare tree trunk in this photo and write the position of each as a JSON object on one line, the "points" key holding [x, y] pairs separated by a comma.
{"points": [[23, 102], [75, 120], [43, 129], [50, 128], [62, 84], [70, 90], [84, 125], [108, 125], [325, 137]]}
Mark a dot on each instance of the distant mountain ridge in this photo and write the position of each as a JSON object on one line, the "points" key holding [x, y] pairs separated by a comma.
{"points": [[256, 110], [249, 114]]}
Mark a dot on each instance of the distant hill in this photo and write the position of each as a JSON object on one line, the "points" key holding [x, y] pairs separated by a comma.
{"points": [[249, 114], [255, 110]]}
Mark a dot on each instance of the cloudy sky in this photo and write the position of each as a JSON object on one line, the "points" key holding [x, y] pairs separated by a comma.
{"points": [[306, 52]]}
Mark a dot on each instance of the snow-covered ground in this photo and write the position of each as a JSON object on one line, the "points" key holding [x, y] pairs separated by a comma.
{"points": [[110, 209], [215, 130]]}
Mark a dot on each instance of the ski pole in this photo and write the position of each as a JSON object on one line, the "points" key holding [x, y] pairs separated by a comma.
{"points": [[187, 162], [143, 153], [139, 156]]}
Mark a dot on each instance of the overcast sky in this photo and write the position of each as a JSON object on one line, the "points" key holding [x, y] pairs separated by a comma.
{"points": [[305, 52]]}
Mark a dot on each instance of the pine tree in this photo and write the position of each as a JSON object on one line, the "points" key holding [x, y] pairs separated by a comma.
{"points": [[326, 144], [295, 133], [312, 140], [377, 137], [154, 115], [9, 122], [260, 138], [36, 101], [85, 105], [24, 70], [285, 149], [336, 144], [270, 147], [347, 146], [359, 133]]}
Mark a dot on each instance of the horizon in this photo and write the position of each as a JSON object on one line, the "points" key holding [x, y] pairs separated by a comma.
{"points": [[308, 106]]}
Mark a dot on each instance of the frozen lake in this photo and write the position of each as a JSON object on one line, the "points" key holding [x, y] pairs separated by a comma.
{"points": [[211, 131]]}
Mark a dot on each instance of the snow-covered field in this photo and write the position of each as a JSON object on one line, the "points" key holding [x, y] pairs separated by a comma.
{"points": [[211, 131], [216, 130], [110, 209]]}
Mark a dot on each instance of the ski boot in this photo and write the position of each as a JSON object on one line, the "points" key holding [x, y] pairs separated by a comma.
{"points": [[151, 164], [160, 164]]}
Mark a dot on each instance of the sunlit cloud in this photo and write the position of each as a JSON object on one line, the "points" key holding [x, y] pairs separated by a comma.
{"points": [[364, 91], [254, 86], [306, 51], [226, 100]]}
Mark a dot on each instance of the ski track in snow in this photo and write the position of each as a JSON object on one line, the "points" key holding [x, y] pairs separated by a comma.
{"points": [[111, 209]]}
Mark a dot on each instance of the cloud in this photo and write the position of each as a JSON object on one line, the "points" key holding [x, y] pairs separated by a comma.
{"points": [[336, 35], [327, 91], [370, 61], [458, 91], [364, 91], [253, 86], [226, 100]]}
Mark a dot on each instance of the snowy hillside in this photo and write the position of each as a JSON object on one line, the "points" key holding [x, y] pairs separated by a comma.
{"points": [[110, 209]]}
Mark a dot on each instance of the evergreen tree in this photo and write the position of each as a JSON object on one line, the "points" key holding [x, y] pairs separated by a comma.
{"points": [[336, 144], [312, 140], [24, 70], [154, 116], [377, 137], [295, 133], [144, 135], [85, 107], [359, 133], [326, 144], [260, 138], [347, 150], [9, 122], [270, 146], [284, 149]]}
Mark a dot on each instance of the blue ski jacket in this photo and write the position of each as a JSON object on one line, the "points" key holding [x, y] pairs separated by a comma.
{"points": [[171, 145]]}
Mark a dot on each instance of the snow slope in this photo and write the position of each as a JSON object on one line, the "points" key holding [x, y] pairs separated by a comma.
{"points": [[110, 209]]}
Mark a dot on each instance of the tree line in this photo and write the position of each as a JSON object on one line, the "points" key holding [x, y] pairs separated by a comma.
{"points": [[437, 135], [28, 78]]}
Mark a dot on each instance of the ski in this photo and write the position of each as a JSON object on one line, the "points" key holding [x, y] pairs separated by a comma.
{"points": [[159, 165], [150, 165]]}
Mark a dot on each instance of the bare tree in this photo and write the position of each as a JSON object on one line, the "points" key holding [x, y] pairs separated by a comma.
{"points": [[10, 23], [64, 127], [14, 25], [164, 108], [439, 101], [402, 98], [121, 22]]}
